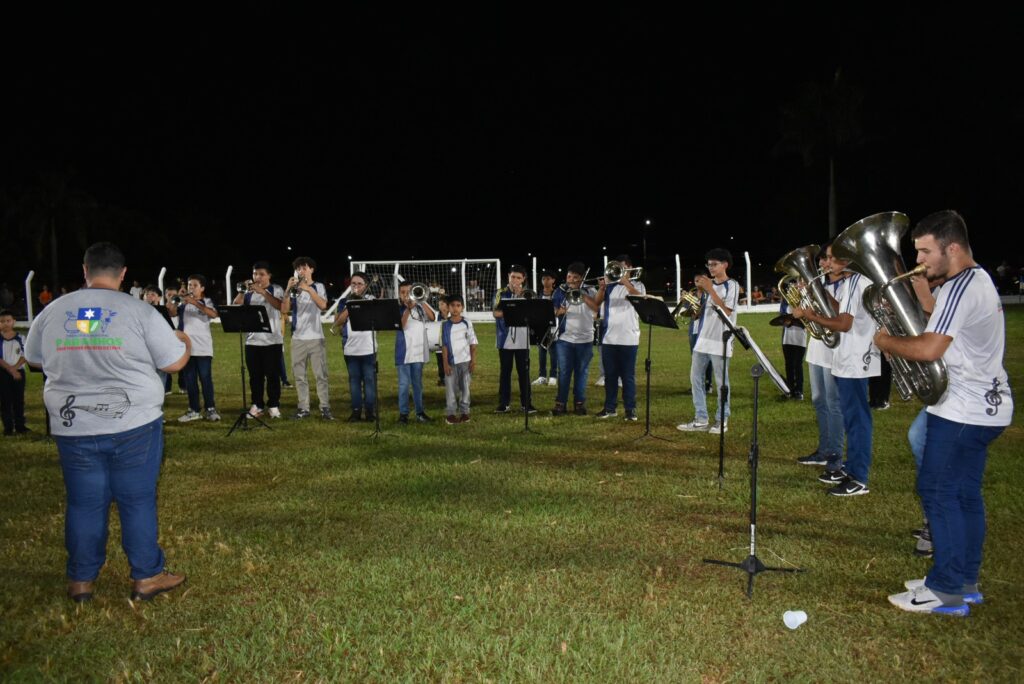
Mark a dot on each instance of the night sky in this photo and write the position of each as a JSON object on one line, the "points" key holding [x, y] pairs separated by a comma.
{"points": [[196, 141]]}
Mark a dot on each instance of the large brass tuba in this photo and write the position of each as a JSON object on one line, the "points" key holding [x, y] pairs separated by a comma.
{"points": [[873, 247], [801, 264]]}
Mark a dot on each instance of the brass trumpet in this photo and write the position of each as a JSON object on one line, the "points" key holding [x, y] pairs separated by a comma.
{"points": [[689, 304], [245, 286]]}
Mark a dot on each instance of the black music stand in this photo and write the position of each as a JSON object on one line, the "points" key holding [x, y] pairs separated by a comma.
{"points": [[752, 565], [537, 315], [244, 318], [374, 315], [651, 311]]}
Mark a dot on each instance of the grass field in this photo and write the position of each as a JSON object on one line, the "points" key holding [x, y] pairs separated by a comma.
{"points": [[479, 553]]}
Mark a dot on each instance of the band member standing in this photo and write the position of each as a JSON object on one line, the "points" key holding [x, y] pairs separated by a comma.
{"points": [[151, 295], [620, 341], [304, 301], [194, 317], [263, 350], [100, 377], [547, 280], [513, 346], [12, 376], [724, 292], [854, 360], [360, 348], [966, 330], [824, 392], [574, 347], [794, 344], [458, 351], [411, 352]]}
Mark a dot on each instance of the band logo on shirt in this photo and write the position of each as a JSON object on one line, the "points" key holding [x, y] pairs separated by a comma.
{"points": [[993, 398], [86, 329]]}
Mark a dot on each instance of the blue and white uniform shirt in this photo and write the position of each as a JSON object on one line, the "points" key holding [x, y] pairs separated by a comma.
{"points": [[794, 335], [12, 350], [856, 355], [620, 323], [196, 324], [356, 342], [411, 345], [457, 338], [818, 354], [305, 315], [577, 325], [275, 335], [509, 337], [710, 327]]}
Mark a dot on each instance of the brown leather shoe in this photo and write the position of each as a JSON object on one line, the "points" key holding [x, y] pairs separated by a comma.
{"points": [[80, 592], [146, 589]]}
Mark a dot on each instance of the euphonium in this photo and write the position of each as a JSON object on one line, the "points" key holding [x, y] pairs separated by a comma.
{"points": [[689, 303], [800, 264], [873, 247]]}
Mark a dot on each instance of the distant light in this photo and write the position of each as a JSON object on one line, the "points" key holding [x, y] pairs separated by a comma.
{"points": [[648, 222], [454, 269], [604, 247], [529, 254], [289, 248], [731, 237], [350, 257]]}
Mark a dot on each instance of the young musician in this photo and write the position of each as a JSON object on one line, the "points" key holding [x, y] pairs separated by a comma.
{"points": [[854, 360], [722, 291], [513, 346], [411, 352], [151, 295], [574, 347], [458, 351], [794, 344], [12, 376], [360, 348], [263, 350], [620, 341], [304, 301], [966, 330], [548, 280], [194, 317]]}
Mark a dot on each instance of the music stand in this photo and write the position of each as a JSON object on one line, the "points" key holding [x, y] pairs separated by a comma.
{"points": [[651, 311], [752, 565], [374, 315], [536, 315], [244, 318]]}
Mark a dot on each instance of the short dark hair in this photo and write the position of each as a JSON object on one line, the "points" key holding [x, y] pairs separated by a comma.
{"points": [[151, 288], [103, 258], [548, 273], [624, 259], [577, 267], [6, 312], [200, 277], [304, 261], [945, 226], [262, 266], [823, 251], [516, 268], [454, 298], [719, 254], [360, 274]]}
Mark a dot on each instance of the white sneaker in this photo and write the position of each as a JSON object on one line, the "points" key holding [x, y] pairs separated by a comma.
{"points": [[969, 597], [924, 600], [255, 411], [600, 382], [540, 381], [189, 416], [718, 428], [212, 415], [693, 426], [552, 380], [275, 412]]}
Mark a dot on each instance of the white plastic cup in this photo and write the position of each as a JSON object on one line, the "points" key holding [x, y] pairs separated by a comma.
{"points": [[794, 618]]}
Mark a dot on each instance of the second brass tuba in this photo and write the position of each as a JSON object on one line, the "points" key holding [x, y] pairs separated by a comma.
{"points": [[801, 264], [872, 245]]}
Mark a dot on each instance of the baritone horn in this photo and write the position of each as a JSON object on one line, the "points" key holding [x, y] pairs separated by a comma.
{"points": [[801, 264], [872, 246]]}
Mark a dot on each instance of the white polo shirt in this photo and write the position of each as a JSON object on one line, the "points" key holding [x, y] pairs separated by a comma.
{"points": [[577, 325], [356, 342], [711, 327], [275, 335], [619, 319], [196, 325], [305, 315], [968, 309], [457, 338], [856, 355], [411, 346]]}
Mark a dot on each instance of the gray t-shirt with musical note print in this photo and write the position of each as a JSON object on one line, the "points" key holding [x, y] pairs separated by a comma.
{"points": [[100, 350]]}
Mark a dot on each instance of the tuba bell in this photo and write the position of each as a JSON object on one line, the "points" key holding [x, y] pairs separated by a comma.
{"points": [[872, 245], [800, 265]]}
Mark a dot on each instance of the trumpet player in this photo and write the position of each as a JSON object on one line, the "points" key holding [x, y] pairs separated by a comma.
{"points": [[574, 344], [412, 351], [547, 291], [304, 300], [967, 330], [263, 350], [194, 311], [854, 360], [721, 290], [513, 346], [360, 349], [621, 339]]}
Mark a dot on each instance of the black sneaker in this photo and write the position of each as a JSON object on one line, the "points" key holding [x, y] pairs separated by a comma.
{"points": [[404, 419], [356, 417], [924, 547], [580, 410], [798, 396], [325, 414], [423, 418], [559, 410], [833, 477], [812, 459], [605, 413], [849, 487], [531, 409], [503, 409], [631, 415], [300, 414]]}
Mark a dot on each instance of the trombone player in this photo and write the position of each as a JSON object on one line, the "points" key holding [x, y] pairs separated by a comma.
{"points": [[621, 338], [575, 308]]}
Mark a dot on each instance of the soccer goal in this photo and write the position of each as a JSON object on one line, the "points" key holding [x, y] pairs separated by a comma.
{"points": [[476, 280]]}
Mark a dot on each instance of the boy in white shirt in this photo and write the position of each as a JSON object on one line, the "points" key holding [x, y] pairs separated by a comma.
{"points": [[303, 303], [12, 376], [194, 314], [411, 352], [263, 350], [458, 352]]}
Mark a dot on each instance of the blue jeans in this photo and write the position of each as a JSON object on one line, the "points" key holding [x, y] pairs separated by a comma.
{"points": [[853, 397], [698, 369], [949, 483], [619, 362], [201, 366], [410, 373], [707, 376], [917, 436], [827, 408], [573, 361], [542, 357], [361, 382], [100, 469]]}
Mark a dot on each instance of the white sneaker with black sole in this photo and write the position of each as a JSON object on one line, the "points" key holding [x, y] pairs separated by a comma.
{"points": [[924, 600], [849, 487], [189, 416], [542, 380]]}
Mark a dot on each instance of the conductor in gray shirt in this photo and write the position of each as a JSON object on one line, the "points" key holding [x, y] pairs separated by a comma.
{"points": [[100, 349]]}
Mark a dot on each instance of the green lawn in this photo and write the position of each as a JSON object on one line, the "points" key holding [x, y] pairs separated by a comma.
{"points": [[479, 553]]}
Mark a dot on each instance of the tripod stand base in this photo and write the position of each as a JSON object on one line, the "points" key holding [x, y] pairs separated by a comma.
{"points": [[753, 566], [242, 423]]}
